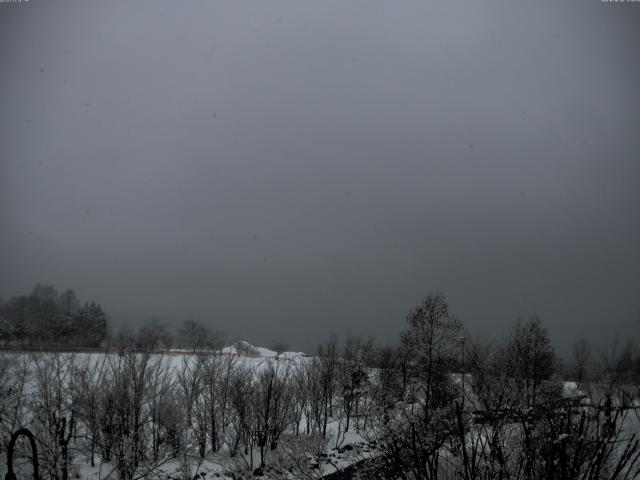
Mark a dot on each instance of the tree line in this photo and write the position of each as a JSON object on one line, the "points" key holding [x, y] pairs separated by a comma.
{"points": [[46, 318]]}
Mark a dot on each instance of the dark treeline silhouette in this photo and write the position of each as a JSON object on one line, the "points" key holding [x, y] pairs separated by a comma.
{"points": [[46, 318], [155, 334]]}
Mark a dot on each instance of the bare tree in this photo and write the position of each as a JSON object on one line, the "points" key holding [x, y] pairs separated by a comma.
{"points": [[353, 375], [15, 377], [124, 411], [328, 358], [217, 382], [414, 433], [554, 440], [87, 383], [54, 417], [300, 401], [160, 395], [153, 334], [529, 358], [431, 340], [240, 389], [618, 370], [272, 406], [196, 335], [581, 358], [189, 384]]}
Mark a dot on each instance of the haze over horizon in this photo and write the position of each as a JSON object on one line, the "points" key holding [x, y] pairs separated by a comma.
{"points": [[284, 171]]}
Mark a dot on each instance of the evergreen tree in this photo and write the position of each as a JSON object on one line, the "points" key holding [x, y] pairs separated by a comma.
{"points": [[44, 318]]}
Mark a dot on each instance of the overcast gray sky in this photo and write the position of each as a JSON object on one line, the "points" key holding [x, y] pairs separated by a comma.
{"points": [[285, 169]]}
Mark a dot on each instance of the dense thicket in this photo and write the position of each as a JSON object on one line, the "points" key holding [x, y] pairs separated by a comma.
{"points": [[45, 318]]}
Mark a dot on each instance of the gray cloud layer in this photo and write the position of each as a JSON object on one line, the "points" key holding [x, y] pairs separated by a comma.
{"points": [[287, 169]]}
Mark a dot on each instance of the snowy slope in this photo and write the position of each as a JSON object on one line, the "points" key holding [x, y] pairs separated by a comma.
{"points": [[244, 348]]}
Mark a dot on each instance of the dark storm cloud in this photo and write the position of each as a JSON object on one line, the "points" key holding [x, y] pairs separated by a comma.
{"points": [[283, 170]]}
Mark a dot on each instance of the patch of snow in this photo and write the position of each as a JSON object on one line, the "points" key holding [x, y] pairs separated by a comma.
{"points": [[570, 389], [244, 348]]}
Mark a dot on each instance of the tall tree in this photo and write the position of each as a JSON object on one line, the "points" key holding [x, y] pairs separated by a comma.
{"points": [[90, 325], [44, 318], [153, 334], [581, 357], [530, 357], [431, 340], [195, 335], [69, 306]]}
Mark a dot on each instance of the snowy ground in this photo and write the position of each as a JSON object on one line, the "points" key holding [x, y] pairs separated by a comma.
{"points": [[341, 449]]}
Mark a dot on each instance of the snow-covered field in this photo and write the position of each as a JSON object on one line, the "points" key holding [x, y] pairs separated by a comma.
{"points": [[283, 386], [308, 455]]}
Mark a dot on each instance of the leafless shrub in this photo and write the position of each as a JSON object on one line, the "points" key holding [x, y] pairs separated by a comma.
{"points": [[217, 377], [552, 441], [53, 411], [15, 373]]}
